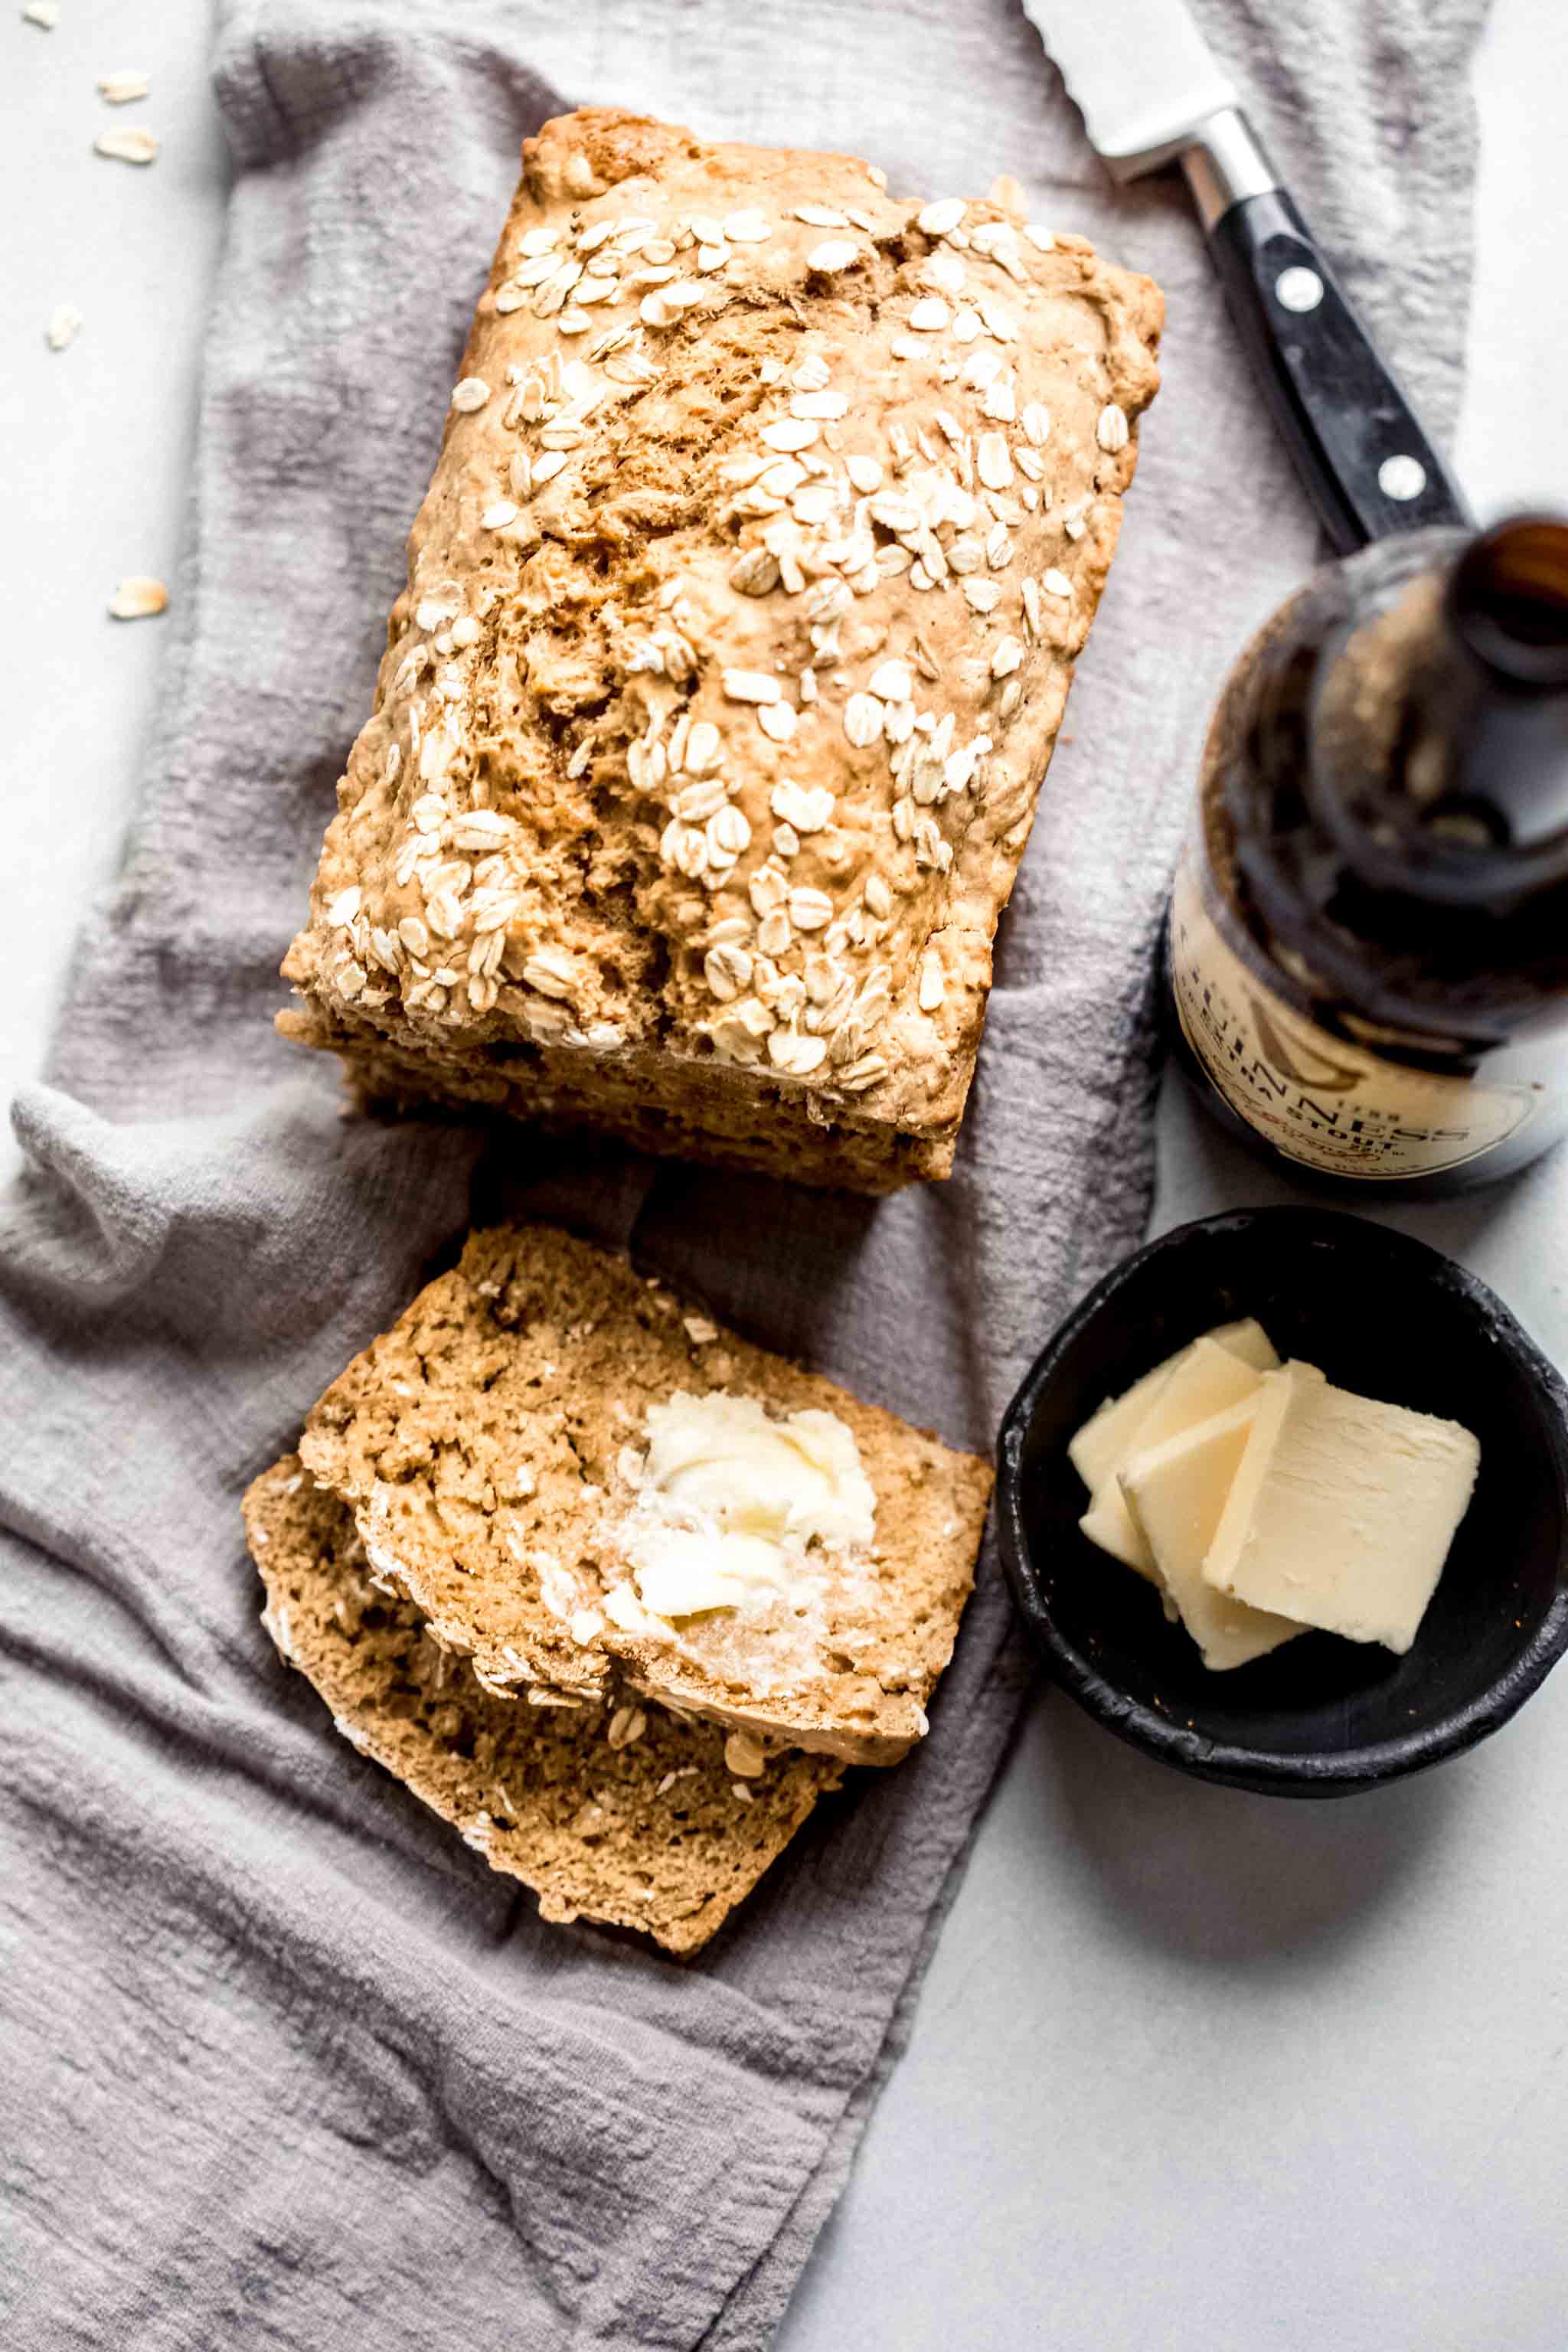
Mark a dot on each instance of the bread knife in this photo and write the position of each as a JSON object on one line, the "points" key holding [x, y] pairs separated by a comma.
{"points": [[1151, 94]]}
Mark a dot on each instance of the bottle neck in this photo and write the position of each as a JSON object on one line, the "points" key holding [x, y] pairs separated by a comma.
{"points": [[1365, 712], [1438, 722]]}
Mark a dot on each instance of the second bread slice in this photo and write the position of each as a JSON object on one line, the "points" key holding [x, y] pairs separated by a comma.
{"points": [[608, 1813]]}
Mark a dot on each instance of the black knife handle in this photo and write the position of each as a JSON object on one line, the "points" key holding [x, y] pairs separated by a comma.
{"points": [[1369, 468]]}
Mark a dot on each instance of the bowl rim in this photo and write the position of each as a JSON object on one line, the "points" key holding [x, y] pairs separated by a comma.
{"points": [[1232, 1764]]}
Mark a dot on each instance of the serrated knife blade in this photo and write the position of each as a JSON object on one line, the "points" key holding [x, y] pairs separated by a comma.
{"points": [[1140, 74]]}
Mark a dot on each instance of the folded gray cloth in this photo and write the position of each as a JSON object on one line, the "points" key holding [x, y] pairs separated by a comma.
{"points": [[283, 2064]]}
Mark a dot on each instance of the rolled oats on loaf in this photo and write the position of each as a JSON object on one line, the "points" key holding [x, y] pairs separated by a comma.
{"points": [[772, 514], [614, 1813], [580, 1483]]}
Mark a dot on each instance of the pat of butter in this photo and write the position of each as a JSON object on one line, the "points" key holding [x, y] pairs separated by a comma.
{"points": [[1176, 1493], [725, 1454], [1204, 1380], [1107, 1436], [682, 1571], [1343, 1509], [731, 1502]]}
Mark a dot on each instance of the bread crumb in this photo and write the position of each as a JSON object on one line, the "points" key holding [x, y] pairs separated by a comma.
{"points": [[138, 598]]}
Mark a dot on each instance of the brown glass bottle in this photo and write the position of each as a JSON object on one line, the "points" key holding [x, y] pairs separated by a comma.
{"points": [[1368, 942]]}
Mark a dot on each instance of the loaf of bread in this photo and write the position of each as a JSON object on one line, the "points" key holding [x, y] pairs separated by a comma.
{"points": [[771, 516], [611, 1811], [583, 1485]]}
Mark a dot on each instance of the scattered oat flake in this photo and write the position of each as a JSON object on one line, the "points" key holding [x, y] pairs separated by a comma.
{"points": [[930, 315], [65, 325], [138, 598], [834, 253], [699, 1330], [1057, 584], [755, 573], [992, 461], [1111, 430], [891, 682], [810, 911], [122, 88], [45, 14], [863, 718], [827, 406], [821, 217], [137, 146], [789, 434], [750, 686], [938, 219], [777, 720], [468, 396], [744, 1755]]}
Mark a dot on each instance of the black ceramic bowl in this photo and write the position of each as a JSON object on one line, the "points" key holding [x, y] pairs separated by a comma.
{"points": [[1380, 1314]]}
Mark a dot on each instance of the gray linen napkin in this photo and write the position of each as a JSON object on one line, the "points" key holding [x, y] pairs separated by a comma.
{"points": [[283, 2064]]}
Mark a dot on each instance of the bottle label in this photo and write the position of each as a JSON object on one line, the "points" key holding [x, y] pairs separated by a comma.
{"points": [[1318, 1099]]}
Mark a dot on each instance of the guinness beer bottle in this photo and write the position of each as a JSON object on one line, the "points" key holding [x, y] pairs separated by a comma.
{"points": [[1368, 939]]}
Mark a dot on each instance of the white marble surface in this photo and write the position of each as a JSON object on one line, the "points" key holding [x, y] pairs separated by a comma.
{"points": [[1190, 2068]]}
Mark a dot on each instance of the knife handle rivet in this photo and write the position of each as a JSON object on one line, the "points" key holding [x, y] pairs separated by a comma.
{"points": [[1299, 288], [1402, 478]]}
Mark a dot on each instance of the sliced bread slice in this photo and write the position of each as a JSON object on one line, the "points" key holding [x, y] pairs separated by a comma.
{"points": [[618, 1813], [575, 1477]]}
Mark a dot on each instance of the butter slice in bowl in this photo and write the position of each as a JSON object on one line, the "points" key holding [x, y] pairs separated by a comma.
{"points": [[1207, 1377], [1343, 1509], [1177, 1493]]}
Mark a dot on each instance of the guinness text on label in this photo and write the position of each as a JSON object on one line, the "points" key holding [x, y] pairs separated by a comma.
{"points": [[1316, 1099]]}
